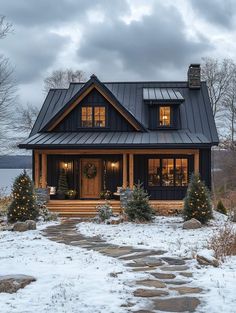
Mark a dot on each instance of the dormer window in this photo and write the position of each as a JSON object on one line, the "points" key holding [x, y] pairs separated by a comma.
{"points": [[165, 116], [93, 116]]}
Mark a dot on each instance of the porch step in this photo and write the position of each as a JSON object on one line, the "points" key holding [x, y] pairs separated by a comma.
{"points": [[87, 208]]}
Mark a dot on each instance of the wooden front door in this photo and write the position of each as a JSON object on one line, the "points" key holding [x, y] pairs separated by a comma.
{"points": [[89, 181]]}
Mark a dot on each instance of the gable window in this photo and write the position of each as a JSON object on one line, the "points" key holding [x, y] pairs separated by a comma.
{"points": [[93, 116], [168, 172], [164, 116]]}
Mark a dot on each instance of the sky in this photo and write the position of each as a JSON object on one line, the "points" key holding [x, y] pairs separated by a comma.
{"points": [[118, 40]]}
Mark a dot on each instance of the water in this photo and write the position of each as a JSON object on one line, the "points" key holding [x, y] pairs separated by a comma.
{"points": [[7, 177]]}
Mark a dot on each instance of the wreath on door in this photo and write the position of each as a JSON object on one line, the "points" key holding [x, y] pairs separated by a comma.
{"points": [[90, 170]]}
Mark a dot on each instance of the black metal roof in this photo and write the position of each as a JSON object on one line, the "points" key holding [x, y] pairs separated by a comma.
{"points": [[197, 122]]}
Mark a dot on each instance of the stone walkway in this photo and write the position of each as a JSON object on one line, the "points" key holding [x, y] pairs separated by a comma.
{"points": [[169, 289]]}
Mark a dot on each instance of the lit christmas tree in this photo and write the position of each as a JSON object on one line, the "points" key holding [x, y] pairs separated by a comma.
{"points": [[23, 206], [197, 203], [138, 208]]}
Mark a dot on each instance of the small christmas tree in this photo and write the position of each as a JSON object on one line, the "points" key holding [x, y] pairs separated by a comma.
{"points": [[138, 208], [23, 206], [62, 183], [221, 208], [197, 203]]}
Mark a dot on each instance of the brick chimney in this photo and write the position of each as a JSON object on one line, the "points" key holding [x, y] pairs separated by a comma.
{"points": [[194, 76]]}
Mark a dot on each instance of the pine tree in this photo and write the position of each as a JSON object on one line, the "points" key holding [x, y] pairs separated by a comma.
{"points": [[62, 183], [138, 208], [221, 208], [197, 203], [23, 206]]}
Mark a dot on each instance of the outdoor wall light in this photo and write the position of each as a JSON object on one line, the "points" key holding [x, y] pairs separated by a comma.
{"points": [[114, 164], [66, 165]]}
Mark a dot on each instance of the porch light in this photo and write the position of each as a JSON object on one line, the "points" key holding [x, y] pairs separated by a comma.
{"points": [[66, 165], [114, 164]]}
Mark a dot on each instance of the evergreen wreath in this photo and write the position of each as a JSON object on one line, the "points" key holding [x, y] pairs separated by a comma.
{"points": [[90, 170]]}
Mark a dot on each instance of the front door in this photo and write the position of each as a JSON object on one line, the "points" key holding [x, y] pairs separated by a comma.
{"points": [[90, 178]]}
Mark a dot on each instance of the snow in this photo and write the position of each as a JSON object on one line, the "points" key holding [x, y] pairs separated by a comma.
{"points": [[166, 233], [69, 279], [207, 254]]}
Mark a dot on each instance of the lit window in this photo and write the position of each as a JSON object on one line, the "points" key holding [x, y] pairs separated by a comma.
{"points": [[87, 117], [99, 117], [164, 116], [93, 116], [181, 172], [154, 172], [168, 172]]}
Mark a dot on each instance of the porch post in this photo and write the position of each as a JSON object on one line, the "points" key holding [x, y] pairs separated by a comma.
{"points": [[131, 170], [124, 170], [196, 162], [44, 170], [36, 169]]}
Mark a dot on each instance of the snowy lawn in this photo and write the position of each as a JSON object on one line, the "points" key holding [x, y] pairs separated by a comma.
{"points": [[69, 279], [167, 233]]}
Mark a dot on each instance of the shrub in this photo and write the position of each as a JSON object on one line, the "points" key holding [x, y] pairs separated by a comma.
{"points": [[223, 242], [23, 206], [104, 211], [138, 207], [197, 203], [44, 214], [221, 208]]}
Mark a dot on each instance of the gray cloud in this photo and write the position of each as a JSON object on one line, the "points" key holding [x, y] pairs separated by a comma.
{"points": [[33, 52], [145, 47], [56, 12], [218, 12]]}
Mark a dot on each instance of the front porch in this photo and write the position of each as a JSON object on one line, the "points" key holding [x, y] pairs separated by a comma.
{"points": [[164, 173], [87, 208]]}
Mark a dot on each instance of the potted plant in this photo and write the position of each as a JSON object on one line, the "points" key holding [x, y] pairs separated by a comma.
{"points": [[71, 194], [62, 185], [106, 194]]}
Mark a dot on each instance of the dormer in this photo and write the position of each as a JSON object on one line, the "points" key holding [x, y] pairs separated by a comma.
{"points": [[163, 107]]}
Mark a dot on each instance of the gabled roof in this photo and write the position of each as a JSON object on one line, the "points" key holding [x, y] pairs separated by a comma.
{"points": [[197, 121], [58, 113]]}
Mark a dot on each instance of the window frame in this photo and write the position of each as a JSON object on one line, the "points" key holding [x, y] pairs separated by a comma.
{"points": [[93, 106], [173, 157], [172, 121]]}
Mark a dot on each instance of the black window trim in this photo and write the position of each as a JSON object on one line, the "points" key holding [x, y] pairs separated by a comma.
{"points": [[94, 127], [169, 156]]}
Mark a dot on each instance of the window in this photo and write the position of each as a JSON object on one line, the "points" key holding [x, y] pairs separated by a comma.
{"points": [[154, 172], [164, 116], [93, 116], [168, 172]]}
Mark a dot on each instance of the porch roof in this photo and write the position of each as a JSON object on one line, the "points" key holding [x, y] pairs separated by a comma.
{"points": [[114, 139]]}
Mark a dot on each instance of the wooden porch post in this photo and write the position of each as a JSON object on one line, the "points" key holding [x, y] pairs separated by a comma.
{"points": [[36, 169], [196, 162], [131, 170], [124, 170], [44, 170]]}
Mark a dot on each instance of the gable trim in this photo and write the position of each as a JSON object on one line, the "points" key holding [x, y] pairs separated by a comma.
{"points": [[131, 120]]}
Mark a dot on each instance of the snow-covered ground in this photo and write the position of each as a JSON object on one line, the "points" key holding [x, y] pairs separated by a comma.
{"points": [[69, 279], [167, 233]]}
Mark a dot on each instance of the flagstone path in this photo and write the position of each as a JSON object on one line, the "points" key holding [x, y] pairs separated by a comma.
{"points": [[169, 289]]}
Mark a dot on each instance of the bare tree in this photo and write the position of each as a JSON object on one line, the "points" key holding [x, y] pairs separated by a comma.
{"points": [[7, 85], [24, 119], [62, 78], [218, 75], [5, 27]]}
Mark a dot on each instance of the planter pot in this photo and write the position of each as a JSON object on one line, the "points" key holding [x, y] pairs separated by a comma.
{"points": [[71, 197]]}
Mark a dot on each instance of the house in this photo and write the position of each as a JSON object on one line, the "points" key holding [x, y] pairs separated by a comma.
{"points": [[107, 135]]}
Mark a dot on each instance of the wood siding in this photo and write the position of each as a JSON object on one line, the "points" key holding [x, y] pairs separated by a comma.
{"points": [[115, 121]]}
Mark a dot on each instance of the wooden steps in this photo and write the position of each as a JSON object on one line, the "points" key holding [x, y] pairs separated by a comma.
{"points": [[87, 208]]}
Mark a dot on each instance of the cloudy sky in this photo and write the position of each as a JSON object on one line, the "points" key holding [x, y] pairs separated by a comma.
{"points": [[115, 39]]}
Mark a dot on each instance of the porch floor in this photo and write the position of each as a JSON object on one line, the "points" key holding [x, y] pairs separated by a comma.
{"points": [[87, 208]]}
